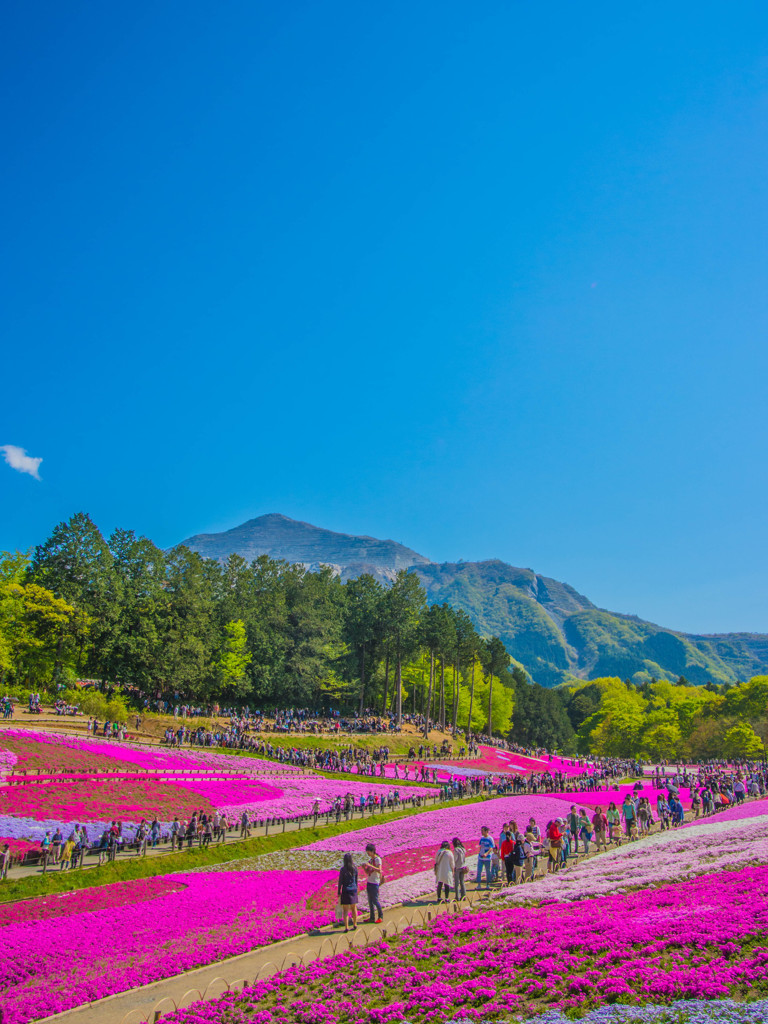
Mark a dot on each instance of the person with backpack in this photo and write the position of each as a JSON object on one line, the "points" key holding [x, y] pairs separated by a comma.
{"points": [[519, 857], [555, 839], [505, 852], [348, 892], [585, 830]]}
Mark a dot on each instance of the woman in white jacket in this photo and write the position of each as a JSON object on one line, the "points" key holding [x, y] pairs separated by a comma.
{"points": [[444, 868]]}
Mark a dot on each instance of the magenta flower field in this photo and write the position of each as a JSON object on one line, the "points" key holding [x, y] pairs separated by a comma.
{"points": [[681, 915], [702, 939], [93, 781], [465, 822], [61, 951]]}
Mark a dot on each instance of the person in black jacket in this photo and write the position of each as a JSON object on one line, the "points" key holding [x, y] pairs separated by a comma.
{"points": [[348, 890]]}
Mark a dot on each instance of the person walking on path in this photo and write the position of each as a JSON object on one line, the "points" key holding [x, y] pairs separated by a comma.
{"points": [[348, 891], [486, 848], [5, 861], [519, 857], [66, 854], [573, 828], [459, 869], [614, 821], [505, 852], [555, 839], [445, 865], [629, 815], [599, 824], [372, 868], [585, 830]]}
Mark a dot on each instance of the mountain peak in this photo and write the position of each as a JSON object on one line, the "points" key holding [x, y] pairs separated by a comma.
{"points": [[281, 537], [550, 628]]}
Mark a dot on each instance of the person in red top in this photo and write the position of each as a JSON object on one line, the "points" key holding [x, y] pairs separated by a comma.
{"points": [[555, 837], [505, 852]]}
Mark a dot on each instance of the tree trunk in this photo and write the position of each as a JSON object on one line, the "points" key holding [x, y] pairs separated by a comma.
{"points": [[362, 684], [490, 705], [431, 684], [399, 684], [442, 693], [386, 684], [471, 699], [455, 696]]}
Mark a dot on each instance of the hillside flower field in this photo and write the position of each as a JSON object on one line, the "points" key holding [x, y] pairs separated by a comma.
{"points": [[706, 938], [92, 782], [661, 930], [118, 936]]}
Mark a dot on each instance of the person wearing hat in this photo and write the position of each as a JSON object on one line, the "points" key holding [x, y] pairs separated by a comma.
{"points": [[555, 837], [529, 845], [518, 857]]}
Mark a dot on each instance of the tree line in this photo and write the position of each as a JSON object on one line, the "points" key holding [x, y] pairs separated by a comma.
{"points": [[669, 720], [176, 626], [172, 625]]}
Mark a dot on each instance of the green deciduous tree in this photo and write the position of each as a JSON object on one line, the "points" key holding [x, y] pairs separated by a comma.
{"points": [[234, 657]]}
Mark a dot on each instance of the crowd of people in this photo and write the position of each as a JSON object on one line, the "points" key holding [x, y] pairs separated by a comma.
{"points": [[520, 854], [107, 729]]}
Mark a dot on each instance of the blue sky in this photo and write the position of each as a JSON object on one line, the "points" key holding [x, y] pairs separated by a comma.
{"points": [[487, 279]]}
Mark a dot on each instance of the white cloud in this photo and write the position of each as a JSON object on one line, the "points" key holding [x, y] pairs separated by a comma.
{"points": [[17, 458]]}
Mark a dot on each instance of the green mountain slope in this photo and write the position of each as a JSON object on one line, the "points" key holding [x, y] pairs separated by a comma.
{"points": [[546, 625], [558, 633]]}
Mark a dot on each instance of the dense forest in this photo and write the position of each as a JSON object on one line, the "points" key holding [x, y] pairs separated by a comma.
{"points": [[174, 625]]}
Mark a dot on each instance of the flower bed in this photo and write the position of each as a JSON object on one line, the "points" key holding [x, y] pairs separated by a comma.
{"points": [[465, 822], [702, 939], [751, 808], [711, 845], [17, 846], [96, 800], [88, 901], [110, 939], [682, 1011], [262, 788]]}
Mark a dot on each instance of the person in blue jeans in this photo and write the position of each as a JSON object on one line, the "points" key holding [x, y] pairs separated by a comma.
{"points": [[486, 848], [373, 870]]}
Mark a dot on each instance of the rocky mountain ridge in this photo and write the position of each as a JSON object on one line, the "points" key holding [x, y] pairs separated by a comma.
{"points": [[554, 631]]}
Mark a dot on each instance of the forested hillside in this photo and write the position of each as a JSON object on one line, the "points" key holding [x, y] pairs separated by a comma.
{"points": [[555, 632], [269, 633]]}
